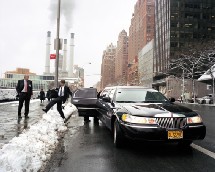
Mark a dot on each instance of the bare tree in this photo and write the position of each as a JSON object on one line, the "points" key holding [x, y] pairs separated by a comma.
{"points": [[191, 64]]}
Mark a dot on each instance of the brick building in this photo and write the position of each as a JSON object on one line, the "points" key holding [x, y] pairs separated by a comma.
{"points": [[141, 31], [108, 66], [121, 60]]}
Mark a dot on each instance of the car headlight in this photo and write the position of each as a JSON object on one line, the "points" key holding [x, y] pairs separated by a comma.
{"points": [[137, 119], [194, 120]]}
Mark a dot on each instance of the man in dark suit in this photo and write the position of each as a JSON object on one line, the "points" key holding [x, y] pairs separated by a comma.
{"points": [[63, 94], [24, 89]]}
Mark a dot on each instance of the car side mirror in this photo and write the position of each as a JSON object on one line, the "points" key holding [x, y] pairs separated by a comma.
{"points": [[171, 99], [106, 99]]}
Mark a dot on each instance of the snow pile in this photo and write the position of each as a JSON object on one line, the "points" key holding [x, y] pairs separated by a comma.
{"points": [[6, 94], [10, 94], [31, 150]]}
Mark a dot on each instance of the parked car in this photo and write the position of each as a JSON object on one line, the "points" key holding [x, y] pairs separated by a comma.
{"points": [[85, 100], [208, 99], [145, 114]]}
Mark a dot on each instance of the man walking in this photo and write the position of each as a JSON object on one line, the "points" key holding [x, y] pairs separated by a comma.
{"points": [[24, 89], [63, 94]]}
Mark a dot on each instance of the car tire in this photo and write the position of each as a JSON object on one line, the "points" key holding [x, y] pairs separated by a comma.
{"points": [[117, 135], [185, 143]]}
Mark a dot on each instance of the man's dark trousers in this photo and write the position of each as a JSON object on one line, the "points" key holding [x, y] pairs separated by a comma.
{"points": [[59, 101], [24, 97]]}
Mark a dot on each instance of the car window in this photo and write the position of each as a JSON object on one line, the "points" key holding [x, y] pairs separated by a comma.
{"points": [[86, 93], [112, 93], [139, 95]]}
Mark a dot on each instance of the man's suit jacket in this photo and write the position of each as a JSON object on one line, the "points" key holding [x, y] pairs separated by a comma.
{"points": [[20, 87], [67, 92]]}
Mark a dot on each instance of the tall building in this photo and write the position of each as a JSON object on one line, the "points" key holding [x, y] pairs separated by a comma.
{"points": [[145, 65], [141, 31], [108, 66], [121, 60], [179, 24]]}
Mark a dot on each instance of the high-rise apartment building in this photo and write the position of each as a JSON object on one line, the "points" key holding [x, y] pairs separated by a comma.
{"points": [[178, 25], [108, 66], [121, 60], [141, 31]]}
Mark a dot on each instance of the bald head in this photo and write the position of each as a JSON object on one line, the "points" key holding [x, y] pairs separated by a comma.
{"points": [[26, 77]]}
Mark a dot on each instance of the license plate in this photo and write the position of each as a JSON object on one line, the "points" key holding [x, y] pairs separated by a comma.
{"points": [[175, 134]]}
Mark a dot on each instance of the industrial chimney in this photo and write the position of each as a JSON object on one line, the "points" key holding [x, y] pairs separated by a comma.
{"points": [[64, 55], [48, 45], [71, 59]]}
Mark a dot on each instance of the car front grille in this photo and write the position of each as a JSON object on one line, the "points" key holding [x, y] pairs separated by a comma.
{"points": [[171, 122]]}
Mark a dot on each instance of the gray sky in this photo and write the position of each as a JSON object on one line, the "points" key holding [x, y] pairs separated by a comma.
{"points": [[24, 25]]}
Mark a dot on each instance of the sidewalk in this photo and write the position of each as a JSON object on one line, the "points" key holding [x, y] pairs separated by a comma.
{"points": [[37, 136]]}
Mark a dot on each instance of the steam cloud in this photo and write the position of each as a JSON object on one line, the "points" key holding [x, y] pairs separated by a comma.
{"points": [[67, 7]]}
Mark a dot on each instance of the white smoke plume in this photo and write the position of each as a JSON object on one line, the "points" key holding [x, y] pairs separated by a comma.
{"points": [[66, 12]]}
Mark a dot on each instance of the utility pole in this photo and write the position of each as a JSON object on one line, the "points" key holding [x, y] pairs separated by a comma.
{"points": [[57, 45], [183, 85]]}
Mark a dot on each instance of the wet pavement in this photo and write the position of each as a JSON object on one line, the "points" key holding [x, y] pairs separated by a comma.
{"points": [[89, 147], [10, 125]]}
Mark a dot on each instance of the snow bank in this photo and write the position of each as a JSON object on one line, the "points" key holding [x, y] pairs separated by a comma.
{"points": [[10, 94], [31, 150]]}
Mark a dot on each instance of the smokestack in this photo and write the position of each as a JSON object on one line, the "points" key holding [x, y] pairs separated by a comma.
{"points": [[71, 59], [64, 55], [48, 45]]}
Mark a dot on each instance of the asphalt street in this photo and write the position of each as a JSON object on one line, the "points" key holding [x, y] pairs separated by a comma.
{"points": [[89, 148]]}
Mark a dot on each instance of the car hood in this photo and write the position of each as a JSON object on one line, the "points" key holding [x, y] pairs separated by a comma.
{"points": [[157, 110]]}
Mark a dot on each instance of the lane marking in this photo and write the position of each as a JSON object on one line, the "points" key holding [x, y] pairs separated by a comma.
{"points": [[203, 150]]}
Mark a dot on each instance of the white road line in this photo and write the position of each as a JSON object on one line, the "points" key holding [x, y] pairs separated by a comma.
{"points": [[203, 150]]}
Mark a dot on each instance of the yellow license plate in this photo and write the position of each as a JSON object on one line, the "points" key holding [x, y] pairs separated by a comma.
{"points": [[175, 134]]}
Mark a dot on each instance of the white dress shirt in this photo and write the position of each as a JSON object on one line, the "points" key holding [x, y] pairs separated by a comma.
{"points": [[61, 91]]}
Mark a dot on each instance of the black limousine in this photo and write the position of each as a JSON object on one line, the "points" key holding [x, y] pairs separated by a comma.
{"points": [[142, 113]]}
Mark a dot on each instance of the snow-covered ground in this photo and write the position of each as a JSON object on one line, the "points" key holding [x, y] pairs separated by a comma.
{"points": [[32, 149], [10, 94]]}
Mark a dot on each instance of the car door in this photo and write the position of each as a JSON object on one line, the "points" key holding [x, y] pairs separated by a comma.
{"points": [[102, 105], [108, 108]]}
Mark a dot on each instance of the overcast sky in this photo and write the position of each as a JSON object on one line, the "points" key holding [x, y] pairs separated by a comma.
{"points": [[24, 25]]}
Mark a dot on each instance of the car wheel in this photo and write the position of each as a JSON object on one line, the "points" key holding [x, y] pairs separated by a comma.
{"points": [[185, 143], [117, 136], [203, 101]]}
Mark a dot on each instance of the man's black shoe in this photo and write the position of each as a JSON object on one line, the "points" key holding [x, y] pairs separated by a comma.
{"points": [[19, 117], [44, 110], [26, 116]]}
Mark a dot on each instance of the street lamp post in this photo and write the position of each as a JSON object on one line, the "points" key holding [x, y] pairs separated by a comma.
{"points": [[212, 75], [57, 45]]}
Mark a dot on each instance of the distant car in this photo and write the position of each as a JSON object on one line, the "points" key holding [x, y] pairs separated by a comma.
{"points": [[208, 99], [85, 99], [145, 114]]}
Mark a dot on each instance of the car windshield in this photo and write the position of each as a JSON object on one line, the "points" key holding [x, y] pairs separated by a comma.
{"points": [[139, 96], [86, 93]]}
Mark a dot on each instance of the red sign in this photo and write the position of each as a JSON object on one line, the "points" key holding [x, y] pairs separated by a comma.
{"points": [[52, 56]]}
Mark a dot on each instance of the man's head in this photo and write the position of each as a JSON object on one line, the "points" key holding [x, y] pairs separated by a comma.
{"points": [[62, 82], [26, 77]]}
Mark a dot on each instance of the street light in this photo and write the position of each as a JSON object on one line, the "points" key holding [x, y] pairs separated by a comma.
{"points": [[212, 75]]}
